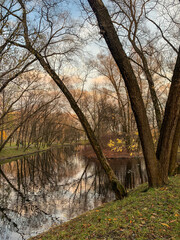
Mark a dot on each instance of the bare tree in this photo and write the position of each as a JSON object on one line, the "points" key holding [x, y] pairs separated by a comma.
{"points": [[106, 67], [157, 163], [13, 63], [37, 40]]}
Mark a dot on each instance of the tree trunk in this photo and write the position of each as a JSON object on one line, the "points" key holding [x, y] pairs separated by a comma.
{"points": [[174, 150], [2, 119], [150, 83], [169, 129], [109, 33]]}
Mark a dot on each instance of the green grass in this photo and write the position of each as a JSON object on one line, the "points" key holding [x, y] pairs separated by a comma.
{"points": [[152, 214], [12, 152]]}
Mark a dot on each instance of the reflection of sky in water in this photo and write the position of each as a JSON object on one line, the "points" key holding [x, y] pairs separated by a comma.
{"points": [[49, 188]]}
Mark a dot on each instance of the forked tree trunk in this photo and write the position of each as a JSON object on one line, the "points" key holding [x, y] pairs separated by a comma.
{"points": [[109, 33], [157, 167], [169, 133]]}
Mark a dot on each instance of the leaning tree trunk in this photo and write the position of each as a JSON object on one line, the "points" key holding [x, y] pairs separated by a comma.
{"points": [[116, 186], [110, 35]]}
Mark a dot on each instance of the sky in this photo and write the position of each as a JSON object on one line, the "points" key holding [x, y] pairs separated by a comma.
{"points": [[91, 49]]}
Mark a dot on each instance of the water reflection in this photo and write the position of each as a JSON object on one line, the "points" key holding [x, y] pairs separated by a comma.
{"points": [[45, 189]]}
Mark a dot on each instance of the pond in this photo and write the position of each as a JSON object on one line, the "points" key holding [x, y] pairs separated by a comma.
{"points": [[48, 188]]}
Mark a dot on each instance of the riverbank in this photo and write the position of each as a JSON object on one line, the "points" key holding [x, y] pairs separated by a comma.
{"points": [[152, 214], [10, 153]]}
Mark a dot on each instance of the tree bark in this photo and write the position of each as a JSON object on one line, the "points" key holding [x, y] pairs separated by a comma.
{"points": [[170, 123], [150, 83], [174, 150], [109, 33]]}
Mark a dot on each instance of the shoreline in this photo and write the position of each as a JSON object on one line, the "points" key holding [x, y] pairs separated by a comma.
{"points": [[20, 155], [87, 153], [5, 159]]}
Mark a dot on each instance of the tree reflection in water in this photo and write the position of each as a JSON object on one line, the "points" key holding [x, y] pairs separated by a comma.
{"points": [[48, 188]]}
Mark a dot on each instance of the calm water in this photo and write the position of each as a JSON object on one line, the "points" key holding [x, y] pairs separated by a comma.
{"points": [[42, 190]]}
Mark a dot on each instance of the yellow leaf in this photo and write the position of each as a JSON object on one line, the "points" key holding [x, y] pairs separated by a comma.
{"points": [[166, 225], [119, 149], [119, 140], [111, 143], [114, 149]]}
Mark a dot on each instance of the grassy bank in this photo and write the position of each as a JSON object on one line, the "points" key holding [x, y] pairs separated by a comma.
{"points": [[10, 152], [152, 214]]}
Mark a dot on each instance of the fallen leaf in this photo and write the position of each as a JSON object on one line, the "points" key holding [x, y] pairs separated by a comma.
{"points": [[172, 221], [154, 214], [121, 229], [164, 224]]}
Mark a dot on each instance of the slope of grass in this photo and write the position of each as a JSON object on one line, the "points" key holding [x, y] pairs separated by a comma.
{"points": [[152, 214]]}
